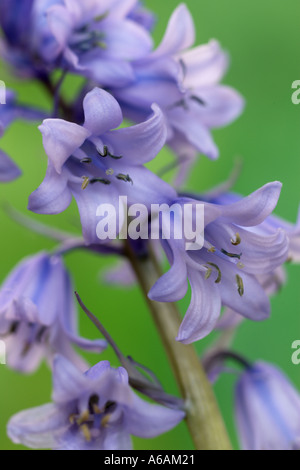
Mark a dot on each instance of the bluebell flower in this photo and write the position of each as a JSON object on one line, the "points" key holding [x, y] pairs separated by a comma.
{"points": [[38, 314], [269, 226], [267, 410], [10, 112], [97, 165], [19, 44], [93, 411], [224, 272], [184, 82], [15, 20], [271, 281], [9, 171], [94, 38]]}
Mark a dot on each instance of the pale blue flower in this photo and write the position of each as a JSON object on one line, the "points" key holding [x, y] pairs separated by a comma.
{"points": [[94, 411], [38, 316], [224, 272], [267, 410]]}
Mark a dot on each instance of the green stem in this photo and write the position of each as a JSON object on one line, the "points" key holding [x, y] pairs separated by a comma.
{"points": [[203, 418]]}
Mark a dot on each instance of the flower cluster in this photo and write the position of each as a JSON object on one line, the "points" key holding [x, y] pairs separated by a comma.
{"points": [[232, 256]]}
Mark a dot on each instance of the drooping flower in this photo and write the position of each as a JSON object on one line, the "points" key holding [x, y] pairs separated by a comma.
{"points": [[97, 165], [38, 314], [272, 281], [15, 20], [269, 226], [184, 82], [267, 410], [8, 169], [142, 16], [19, 44], [97, 39], [93, 411], [224, 272], [94, 38], [10, 112]]}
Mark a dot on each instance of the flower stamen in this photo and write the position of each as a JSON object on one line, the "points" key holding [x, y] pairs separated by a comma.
{"points": [[240, 284], [125, 178], [231, 255], [105, 153], [86, 432], [237, 240], [85, 183], [83, 418], [219, 278], [100, 180], [198, 100]]}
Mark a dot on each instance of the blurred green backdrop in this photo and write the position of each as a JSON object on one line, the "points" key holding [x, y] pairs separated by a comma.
{"points": [[262, 38]]}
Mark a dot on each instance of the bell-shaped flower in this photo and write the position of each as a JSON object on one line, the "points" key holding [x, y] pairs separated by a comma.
{"points": [[273, 281], [10, 111], [95, 38], [15, 20], [93, 411], [184, 82], [97, 165], [268, 227], [224, 271], [8, 169], [267, 409], [38, 316], [19, 44]]}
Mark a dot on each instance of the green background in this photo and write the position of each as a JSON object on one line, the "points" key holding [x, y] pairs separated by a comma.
{"points": [[262, 38]]}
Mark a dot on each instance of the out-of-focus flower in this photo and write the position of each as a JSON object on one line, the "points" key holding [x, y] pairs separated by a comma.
{"points": [[38, 314], [94, 411], [15, 20], [184, 82], [8, 169], [10, 112], [224, 272], [97, 39], [267, 410], [268, 226], [94, 38], [97, 165]]}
